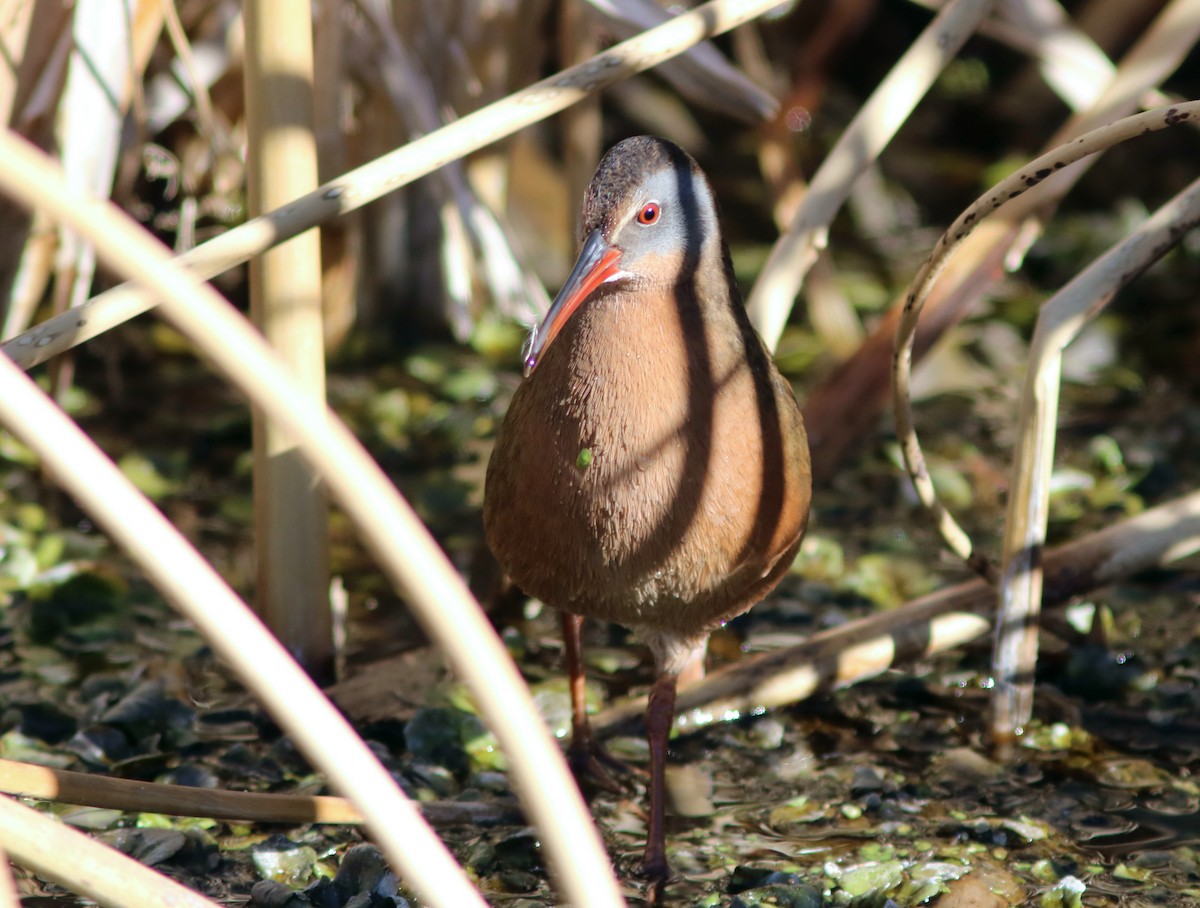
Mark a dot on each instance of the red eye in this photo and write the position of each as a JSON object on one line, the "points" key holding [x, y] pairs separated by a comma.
{"points": [[649, 213]]}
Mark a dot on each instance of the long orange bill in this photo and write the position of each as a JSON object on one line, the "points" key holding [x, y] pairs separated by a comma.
{"points": [[596, 264]]}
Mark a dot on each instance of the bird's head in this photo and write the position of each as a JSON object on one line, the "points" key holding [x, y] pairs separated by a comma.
{"points": [[648, 216]]}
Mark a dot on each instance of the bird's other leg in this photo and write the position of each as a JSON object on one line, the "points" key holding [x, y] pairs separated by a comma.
{"points": [[660, 716], [572, 631], [584, 753]]}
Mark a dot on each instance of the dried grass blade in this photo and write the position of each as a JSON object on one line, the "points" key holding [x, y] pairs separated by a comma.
{"points": [[1059, 322]]}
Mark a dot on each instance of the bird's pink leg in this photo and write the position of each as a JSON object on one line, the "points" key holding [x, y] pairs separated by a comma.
{"points": [[660, 715], [584, 753], [581, 729]]}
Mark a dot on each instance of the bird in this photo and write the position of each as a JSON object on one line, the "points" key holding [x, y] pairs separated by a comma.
{"points": [[652, 468]]}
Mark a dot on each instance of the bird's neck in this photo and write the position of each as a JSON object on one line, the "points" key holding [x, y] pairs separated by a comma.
{"points": [[638, 355]]}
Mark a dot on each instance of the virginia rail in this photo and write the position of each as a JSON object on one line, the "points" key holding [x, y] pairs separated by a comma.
{"points": [[653, 468]]}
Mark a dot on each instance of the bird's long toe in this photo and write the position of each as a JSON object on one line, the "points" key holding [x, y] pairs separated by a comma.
{"points": [[594, 767]]}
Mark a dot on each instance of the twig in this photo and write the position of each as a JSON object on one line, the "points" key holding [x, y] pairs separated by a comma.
{"points": [[514, 290], [1015, 185], [67, 856], [392, 531], [1071, 63], [847, 404], [702, 74], [581, 128], [193, 587], [29, 781], [870, 646], [1059, 322], [391, 171], [291, 514], [9, 897], [87, 789], [863, 141], [195, 84]]}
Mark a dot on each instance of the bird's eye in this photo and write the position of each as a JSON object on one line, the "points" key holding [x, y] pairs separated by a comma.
{"points": [[649, 213]]}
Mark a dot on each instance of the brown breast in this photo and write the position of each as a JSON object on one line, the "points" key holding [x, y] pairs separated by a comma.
{"points": [[653, 470]]}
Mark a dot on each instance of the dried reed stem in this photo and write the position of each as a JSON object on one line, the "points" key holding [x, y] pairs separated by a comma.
{"points": [[394, 534], [391, 171], [860, 145], [1060, 320]]}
